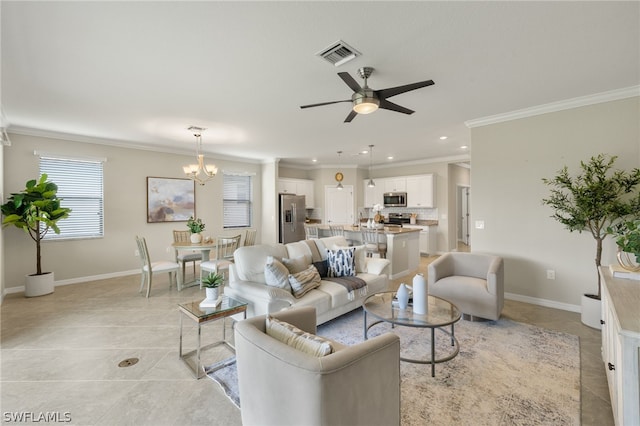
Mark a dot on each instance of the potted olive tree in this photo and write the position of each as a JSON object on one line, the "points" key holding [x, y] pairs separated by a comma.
{"points": [[196, 227], [36, 210], [593, 200]]}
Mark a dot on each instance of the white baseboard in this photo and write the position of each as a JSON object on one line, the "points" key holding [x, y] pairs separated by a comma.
{"points": [[20, 289], [543, 302]]}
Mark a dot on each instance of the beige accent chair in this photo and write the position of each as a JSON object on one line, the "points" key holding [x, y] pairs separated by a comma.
{"points": [[471, 281], [280, 385]]}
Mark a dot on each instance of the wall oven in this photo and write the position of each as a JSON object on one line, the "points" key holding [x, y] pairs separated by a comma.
{"points": [[395, 199]]}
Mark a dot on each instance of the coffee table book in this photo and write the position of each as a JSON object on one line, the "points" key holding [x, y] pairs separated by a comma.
{"points": [[619, 272]]}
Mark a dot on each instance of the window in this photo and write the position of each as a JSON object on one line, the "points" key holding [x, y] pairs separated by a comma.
{"points": [[80, 188], [237, 194]]}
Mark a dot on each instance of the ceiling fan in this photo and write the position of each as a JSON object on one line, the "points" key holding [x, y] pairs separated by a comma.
{"points": [[366, 100]]}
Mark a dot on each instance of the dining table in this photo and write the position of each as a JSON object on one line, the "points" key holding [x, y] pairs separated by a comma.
{"points": [[204, 247]]}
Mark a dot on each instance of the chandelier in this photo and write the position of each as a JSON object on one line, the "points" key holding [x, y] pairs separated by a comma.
{"points": [[199, 172]]}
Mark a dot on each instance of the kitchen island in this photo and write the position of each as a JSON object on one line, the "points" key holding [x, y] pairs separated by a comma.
{"points": [[403, 246]]}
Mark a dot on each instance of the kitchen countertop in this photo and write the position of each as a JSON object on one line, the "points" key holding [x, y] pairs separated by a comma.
{"points": [[393, 230]]}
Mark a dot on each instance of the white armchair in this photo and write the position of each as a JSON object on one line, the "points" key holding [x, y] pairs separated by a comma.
{"points": [[471, 281], [281, 385]]}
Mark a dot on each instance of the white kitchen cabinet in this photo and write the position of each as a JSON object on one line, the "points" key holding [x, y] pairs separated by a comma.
{"points": [[621, 345], [421, 191], [395, 184], [373, 195], [428, 238], [298, 187]]}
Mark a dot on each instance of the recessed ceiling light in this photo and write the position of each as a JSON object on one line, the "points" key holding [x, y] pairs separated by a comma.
{"points": [[315, 160], [390, 158], [364, 152], [464, 147], [443, 137]]}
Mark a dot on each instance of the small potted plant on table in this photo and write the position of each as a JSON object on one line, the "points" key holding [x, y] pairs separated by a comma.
{"points": [[212, 284], [196, 227]]}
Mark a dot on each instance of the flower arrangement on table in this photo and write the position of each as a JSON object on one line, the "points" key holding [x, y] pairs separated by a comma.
{"points": [[195, 225]]}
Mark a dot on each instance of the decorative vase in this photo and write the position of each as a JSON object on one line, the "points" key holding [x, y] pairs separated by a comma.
{"points": [[403, 296], [628, 261], [38, 285], [212, 294], [420, 295], [196, 238]]}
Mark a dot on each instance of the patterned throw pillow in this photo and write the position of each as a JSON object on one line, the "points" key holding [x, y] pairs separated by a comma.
{"points": [[360, 257], [305, 281], [276, 274], [342, 262], [298, 339]]}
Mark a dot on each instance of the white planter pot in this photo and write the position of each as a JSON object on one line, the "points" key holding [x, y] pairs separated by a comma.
{"points": [[38, 285], [212, 293], [196, 238], [591, 312]]}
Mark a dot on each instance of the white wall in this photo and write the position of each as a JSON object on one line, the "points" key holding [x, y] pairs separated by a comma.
{"points": [[508, 162], [125, 197]]}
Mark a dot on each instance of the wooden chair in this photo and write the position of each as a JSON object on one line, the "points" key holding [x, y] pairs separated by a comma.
{"points": [[184, 258], [310, 231], [372, 242], [149, 267], [250, 237], [225, 246]]}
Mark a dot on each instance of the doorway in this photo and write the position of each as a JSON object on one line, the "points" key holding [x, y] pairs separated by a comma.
{"points": [[338, 205], [464, 218]]}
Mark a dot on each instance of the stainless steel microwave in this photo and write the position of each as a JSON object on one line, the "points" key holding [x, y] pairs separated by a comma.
{"points": [[395, 199]]}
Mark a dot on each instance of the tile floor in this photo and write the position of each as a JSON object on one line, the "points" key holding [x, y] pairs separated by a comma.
{"points": [[60, 354]]}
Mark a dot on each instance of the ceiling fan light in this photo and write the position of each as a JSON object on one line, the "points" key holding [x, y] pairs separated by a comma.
{"points": [[365, 105]]}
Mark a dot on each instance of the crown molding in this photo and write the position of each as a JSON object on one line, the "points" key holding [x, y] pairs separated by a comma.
{"points": [[614, 95]]}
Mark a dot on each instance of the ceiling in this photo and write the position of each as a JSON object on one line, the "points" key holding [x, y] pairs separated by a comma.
{"points": [[140, 73]]}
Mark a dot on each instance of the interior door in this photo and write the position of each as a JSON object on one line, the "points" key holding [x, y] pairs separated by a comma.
{"points": [[465, 218], [339, 205]]}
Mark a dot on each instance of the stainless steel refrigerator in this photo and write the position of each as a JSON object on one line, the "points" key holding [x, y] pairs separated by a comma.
{"points": [[292, 216]]}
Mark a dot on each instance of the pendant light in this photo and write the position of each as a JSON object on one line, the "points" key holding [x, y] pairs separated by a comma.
{"points": [[371, 183], [339, 175]]}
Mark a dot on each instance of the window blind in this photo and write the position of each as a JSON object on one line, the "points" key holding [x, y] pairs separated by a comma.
{"points": [[237, 199], [80, 186]]}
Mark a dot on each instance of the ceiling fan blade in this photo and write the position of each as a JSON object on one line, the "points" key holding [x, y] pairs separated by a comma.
{"points": [[385, 104], [392, 91], [346, 77], [324, 103], [351, 116]]}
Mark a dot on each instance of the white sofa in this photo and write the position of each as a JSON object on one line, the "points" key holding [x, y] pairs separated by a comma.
{"points": [[247, 279]]}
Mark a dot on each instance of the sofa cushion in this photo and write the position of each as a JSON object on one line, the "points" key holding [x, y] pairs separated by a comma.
{"points": [[327, 243], [297, 264], [341, 262], [322, 267], [305, 281], [360, 257], [299, 249], [250, 260], [296, 338], [276, 274]]}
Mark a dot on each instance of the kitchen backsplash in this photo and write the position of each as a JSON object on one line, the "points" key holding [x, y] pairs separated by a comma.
{"points": [[423, 214]]}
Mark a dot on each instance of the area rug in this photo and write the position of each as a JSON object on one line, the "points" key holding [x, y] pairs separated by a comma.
{"points": [[506, 373]]}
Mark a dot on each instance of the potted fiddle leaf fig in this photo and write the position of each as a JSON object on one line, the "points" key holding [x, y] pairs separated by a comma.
{"points": [[36, 210], [593, 200], [196, 226]]}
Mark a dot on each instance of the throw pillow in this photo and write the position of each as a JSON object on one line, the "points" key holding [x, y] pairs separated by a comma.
{"points": [[305, 281], [296, 265], [360, 257], [341, 262], [276, 274], [322, 267], [296, 338]]}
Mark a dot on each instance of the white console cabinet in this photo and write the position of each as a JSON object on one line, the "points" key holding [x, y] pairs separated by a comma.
{"points": [[621, 345]]}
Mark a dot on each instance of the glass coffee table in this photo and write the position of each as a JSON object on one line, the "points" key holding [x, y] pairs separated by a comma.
{"points": [[192, 310], [440, 314]]}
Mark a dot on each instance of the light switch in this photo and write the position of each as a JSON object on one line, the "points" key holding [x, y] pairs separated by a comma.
{"points": [[479, 224]]}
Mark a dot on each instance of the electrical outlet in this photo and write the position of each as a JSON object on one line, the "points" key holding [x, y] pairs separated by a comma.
{"points": [[551, 274], [136, 253]]}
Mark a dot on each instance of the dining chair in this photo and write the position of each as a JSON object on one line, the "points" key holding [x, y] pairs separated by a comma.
{"points": [[225, 246], [310, 231], [336, 230], [184, 258], [250, 237], [371, 239], [149, 267]]}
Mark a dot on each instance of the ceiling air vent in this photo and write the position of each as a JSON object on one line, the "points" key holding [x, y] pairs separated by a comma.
{"points": [[338, 53]]}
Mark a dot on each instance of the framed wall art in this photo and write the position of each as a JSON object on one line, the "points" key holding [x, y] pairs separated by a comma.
{"points": [[170, 199]]}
